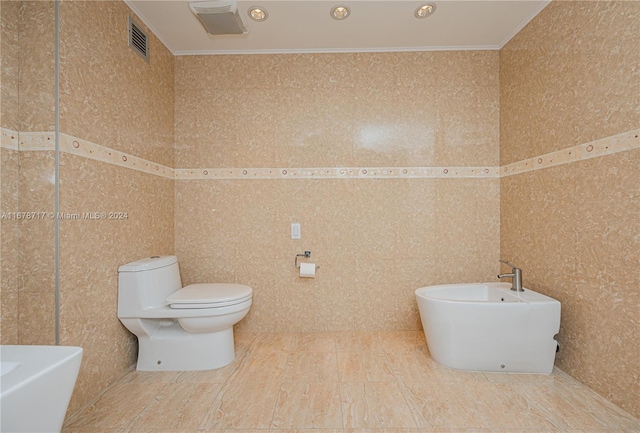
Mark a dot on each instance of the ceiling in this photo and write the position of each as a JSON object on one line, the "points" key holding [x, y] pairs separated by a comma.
{"points": [[302, 26]]}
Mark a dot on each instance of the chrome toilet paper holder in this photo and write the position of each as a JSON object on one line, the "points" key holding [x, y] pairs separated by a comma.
{"points": [[306, 254]]}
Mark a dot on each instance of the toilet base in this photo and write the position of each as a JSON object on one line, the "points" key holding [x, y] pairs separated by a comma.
{"points": [[170, 348]]}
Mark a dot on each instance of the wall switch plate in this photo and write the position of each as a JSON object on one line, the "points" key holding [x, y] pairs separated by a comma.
{"points": [[295, 230]]}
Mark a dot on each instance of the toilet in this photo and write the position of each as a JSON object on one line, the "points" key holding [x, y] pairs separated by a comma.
{"points": [[179, 328]]}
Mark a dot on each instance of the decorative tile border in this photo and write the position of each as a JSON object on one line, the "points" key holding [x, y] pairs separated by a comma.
{"points": [[338, 173], [9, 139], [76, 146], [34, 141], [27, 141], [605, 146]]}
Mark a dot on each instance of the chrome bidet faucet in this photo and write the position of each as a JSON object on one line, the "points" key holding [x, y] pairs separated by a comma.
{"points": [[516, 276]]}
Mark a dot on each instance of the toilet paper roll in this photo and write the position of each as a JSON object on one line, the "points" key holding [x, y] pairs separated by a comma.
{"points": [[307, 270]]}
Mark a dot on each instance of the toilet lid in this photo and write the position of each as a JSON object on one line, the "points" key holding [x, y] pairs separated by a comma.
{"points": [[209, 295]]}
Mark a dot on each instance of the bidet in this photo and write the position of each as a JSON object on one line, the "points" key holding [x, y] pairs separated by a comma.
{"points": [[37, 382], [488, 327]]}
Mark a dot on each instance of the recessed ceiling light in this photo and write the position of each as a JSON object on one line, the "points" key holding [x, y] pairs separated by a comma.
{"points": [[425, 10], [258, 13], [340, 12]]}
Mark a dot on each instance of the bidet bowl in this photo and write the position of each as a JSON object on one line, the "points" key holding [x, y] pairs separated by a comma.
{"points": [[36, 386], [488, 327]]}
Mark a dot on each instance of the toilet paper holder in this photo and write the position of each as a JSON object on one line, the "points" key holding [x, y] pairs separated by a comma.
{"points": [[306, 254]]}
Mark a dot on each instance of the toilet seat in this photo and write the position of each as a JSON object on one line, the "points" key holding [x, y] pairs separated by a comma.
{"points": [[215, 295]]}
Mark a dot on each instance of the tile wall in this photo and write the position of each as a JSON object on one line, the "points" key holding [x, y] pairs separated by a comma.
{"points": [[28, 246], [112, 102], [111, 97], [36, 102], [575, 228], [9, 235], [375, 239], [9, 163]]}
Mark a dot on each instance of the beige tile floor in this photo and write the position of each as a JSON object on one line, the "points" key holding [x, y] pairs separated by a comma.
{"points": [[363, 382]]}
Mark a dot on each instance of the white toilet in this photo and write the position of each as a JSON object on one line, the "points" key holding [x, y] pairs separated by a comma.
{"points": [[178, 328]]}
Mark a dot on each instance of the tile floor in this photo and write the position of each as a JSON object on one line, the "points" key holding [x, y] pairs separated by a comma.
{"points": [[345, 383]]}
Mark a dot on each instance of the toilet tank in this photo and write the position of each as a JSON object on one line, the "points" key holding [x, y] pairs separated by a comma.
{"points": [[146, 283]]}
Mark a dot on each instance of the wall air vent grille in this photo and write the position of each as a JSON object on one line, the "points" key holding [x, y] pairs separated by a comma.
{"points": [[138, 39]]}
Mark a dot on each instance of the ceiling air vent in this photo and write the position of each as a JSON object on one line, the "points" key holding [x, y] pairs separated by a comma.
{"points": [[219, 17], [138, 39]]}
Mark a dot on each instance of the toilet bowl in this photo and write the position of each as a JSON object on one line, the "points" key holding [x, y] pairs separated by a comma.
{"points": [[179, 328]]}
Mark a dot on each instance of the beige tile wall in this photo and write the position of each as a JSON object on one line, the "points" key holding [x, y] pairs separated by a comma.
{"points": [[376, 240], [112, 97], [36, 102], [575, 229], [9, 247], [103, 79], [9, 53], [28, 63], [36, 300], [90, 253], [9, 164], [36, 63], [318, 110], [108, 96], [561, 88]]}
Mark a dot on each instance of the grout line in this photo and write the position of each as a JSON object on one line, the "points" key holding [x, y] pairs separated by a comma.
{"points": [[204, 415], [56, 186], [403, 391], [144, 409], [228, 382], [340, 396], [275, 406]]}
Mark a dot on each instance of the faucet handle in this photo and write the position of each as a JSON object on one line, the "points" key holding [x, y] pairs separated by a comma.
{"points": [[509, 264]]}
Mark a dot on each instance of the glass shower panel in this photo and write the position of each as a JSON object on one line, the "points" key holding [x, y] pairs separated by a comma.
{"points": [[27, 172]]}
